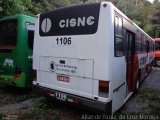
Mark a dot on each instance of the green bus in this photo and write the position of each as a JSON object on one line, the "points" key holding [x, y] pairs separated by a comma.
{"points": [[16, 44]]}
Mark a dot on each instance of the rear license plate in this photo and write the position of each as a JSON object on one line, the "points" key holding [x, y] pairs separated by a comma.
{"points": [[61, 96]]}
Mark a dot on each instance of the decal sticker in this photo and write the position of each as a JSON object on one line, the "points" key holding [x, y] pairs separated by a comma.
{"points": [[46, 25], [52, 66], [8, 62]]}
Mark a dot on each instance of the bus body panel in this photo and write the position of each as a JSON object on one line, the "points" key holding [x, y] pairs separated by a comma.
{"points": [[17, 59], [88, 65]]}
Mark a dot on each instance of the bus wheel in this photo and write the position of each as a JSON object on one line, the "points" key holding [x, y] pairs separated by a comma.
{"points": [[158, 63]]}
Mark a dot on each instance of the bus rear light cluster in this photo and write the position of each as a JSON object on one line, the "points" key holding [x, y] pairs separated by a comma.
{"points": [[34, 75], [18, 72], [103, 88]]}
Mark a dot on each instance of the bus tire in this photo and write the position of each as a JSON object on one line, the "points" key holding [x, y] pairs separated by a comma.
{"points": [[157, 62]]}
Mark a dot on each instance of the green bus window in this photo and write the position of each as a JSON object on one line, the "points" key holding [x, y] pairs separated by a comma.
{"points": [[8, 35]]}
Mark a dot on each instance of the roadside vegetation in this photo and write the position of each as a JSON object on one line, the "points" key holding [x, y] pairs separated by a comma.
{"points": [[142, 12]]}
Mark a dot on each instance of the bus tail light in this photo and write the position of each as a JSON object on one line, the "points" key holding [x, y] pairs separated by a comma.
{"points": [[18, 72], [34, 75], [103, 88]]}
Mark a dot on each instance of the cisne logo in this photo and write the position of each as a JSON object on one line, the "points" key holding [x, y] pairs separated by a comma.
{"points": [[77, 22], [46, 25]]}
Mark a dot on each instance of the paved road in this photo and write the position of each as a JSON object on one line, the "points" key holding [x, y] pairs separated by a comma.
{"points": [[153, 79]]}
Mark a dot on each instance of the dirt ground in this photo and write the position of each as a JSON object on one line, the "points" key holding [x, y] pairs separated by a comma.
{"points": [[16, 104]]}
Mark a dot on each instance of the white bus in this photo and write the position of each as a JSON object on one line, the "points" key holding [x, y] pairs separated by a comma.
{"points": [[91, 55]]}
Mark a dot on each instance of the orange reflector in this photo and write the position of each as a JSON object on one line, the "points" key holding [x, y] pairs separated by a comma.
{"points": [[17, 75], [103, 83]]}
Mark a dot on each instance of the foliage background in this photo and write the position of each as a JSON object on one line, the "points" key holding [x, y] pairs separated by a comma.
{"points": [[142, 12]]}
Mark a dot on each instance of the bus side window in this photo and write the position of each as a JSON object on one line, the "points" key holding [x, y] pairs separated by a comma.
{"points": [[147, 46], [138, 42], [118, 42]]}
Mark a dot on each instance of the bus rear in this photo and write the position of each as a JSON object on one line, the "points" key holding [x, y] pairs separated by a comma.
{"points": [[72, 56], [157, 52], [16, 44]]}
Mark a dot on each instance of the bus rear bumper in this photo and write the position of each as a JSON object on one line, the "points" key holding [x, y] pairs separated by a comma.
{"points": [[11, 80], [89, 104]]}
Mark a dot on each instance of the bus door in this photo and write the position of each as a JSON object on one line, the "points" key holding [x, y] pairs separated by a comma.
{"points": [[30, 37], [130, 40]]}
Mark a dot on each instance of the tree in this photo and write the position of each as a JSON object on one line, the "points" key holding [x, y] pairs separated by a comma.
{"points": [[29, 7], [142, 12]]}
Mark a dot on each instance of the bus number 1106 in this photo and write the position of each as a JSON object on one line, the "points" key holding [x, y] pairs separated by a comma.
{"points": [[63, 41]]}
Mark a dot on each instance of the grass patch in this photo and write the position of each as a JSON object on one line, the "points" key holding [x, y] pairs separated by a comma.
{"points": [[1, 115], [42, 111], [149, 99], [16, 96], [153, 108], [150, 94]]}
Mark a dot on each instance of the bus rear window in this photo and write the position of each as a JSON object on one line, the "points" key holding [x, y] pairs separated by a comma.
{"points": [[30, 38], [8, 35], [68, 21], [30, 34], [157, 45]]}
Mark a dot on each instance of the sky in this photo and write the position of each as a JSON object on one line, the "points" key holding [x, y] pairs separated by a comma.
{"points": [[151, 0]]}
